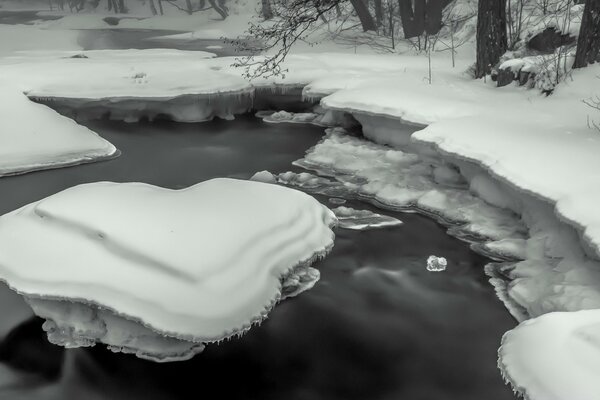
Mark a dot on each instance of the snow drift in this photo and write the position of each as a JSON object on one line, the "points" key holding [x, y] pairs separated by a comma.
{"points": [[34, 137], [159, 272], [554, 357]]}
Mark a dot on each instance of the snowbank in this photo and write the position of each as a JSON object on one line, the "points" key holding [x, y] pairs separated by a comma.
{"points": [[554, 357], [34, 137], [198, 264], [130, 84]]}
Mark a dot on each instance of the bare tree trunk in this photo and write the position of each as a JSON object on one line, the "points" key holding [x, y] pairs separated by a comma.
{"points": [[379, 12], [153, 7], [122, 8], [366, 20], [588, 43], [219, 7], [433, 16], [266, 10], [413, 20], [491, 35], [188, 6], [160, 8]]}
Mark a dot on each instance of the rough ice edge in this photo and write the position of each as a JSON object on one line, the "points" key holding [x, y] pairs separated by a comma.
{"points": [[437, 147], [127, 108], [418, 124], [235, 332], [251, 94], [583, 236], [453, 225], [64, 161], [500, 286]]}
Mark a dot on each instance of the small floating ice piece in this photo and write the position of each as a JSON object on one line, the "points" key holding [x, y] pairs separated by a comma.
{"points": [[264, 176], [336, 200], [436, 264], [160, 272], [285, 116], [350, 218]]}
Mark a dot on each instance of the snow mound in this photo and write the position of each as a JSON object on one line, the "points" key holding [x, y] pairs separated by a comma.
{"points": [[554, 357], [360, 220], [137, 266], [34, 137]]}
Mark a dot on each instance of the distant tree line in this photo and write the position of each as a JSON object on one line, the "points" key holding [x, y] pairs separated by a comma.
{"points": [[500, 24], [156, 6]]}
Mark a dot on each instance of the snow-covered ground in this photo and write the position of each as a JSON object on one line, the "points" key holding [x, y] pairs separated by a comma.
{"points": [[218, 255]]}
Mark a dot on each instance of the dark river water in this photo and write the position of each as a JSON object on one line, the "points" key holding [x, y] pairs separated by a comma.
{"points": [[377, 325]]}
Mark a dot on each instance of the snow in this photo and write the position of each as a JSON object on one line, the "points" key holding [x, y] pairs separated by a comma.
{"points": [[210, 263], [436, 264], [130, 84], [264, 176], [34, 137], [554, 357]]}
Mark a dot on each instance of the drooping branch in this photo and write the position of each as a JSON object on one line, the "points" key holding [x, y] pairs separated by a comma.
{"points": [[293, 22]]}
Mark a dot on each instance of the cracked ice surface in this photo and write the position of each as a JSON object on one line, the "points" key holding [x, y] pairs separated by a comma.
{"points": [[399, 180], [157, 272]]}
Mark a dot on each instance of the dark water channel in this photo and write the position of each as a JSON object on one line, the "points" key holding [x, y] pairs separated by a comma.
{"points": [[103, 39], [376, 326]]}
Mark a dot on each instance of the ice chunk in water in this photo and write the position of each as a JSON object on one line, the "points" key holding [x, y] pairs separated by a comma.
{"points": [[436, 264], [264, 176], [350, 218]]}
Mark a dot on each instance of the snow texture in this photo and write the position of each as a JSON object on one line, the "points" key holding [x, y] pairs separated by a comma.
{"points": [[34, 137], [554, 357], [143, 269]]}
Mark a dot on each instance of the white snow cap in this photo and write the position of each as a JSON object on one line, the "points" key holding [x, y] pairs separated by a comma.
{"points": [[34, 137], [198, 264], [554, 357]]}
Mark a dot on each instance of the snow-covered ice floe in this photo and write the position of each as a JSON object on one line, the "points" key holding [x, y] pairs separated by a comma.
{"points": [[160, 272], [130, 84], [554, 357], [34, 137]]}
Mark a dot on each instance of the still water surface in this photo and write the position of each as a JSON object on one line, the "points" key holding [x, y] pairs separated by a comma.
{"points": [[376, 326]]}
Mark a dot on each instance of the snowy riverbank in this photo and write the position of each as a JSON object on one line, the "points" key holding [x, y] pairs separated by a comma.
{"points": [[506, 167]]}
